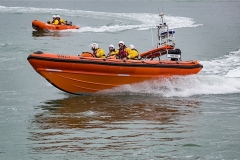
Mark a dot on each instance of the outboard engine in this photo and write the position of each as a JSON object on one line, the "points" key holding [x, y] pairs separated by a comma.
{"points": [[174, 54], [69, 23]]}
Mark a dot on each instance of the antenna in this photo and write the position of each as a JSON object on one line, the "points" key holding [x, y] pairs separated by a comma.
{"points": [[152, 37]]}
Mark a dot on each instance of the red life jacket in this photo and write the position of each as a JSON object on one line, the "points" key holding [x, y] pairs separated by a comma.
{"points": [[122, 53], [95, 52]]}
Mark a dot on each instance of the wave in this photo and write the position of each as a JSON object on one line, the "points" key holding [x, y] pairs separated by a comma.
{"points": [[218, 76], [176, 86], [4, 45], [227, 65], [120, 21], [147, 20]]}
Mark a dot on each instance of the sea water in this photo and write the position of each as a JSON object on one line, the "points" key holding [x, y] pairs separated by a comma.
{"points": [[190, 117]]}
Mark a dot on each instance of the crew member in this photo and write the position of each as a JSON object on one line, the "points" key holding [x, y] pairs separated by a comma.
{"points": [[59, 21], [123, 51], [98, 52], [112, 51], [51, 22], [133, 54]]}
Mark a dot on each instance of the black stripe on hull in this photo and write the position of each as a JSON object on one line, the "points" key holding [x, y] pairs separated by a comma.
{"points": [[107, 63]]}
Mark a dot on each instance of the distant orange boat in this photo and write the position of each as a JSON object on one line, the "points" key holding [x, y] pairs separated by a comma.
{"points": [[38, 25], [86, 74]]}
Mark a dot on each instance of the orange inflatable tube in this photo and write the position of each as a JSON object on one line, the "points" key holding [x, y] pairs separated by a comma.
{"points": [[156, 52], [85, 74], [38, 25]]}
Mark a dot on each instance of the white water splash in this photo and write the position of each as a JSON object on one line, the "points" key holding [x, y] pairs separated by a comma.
{"points": [[120, 20], [228, 65], [234, 73], [147, 20], [184, 86], [114, 28], [218, 76]]}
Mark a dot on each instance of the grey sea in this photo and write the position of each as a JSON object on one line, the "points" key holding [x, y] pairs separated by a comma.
{"points": [[190, 117]]}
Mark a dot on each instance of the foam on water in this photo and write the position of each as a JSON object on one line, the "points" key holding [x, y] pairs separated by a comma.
{"points": [[181, 86], [218, 76], [114, 28], [234, 72], [147, 21], [120, 20], [228, 65]]}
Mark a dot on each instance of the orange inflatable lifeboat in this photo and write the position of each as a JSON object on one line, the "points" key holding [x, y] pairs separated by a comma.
{"points": [[87, 74], [38, 25]]}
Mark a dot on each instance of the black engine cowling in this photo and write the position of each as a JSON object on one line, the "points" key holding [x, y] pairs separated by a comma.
{"points": [[174, 54], [175, 51]]}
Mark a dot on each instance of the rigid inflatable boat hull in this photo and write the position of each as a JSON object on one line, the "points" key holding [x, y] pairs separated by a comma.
{"points": [[77, 75]]}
